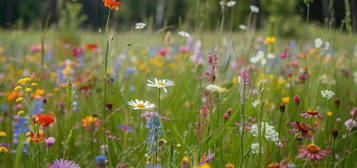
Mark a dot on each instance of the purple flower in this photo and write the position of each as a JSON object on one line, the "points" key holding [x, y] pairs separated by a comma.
{"points": [[50, 141], [125, 128], [63, 164]]}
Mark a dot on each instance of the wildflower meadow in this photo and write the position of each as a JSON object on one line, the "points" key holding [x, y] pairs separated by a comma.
{"points": [[241, 95]]}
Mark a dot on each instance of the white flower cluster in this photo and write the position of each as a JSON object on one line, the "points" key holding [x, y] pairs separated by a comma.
{"points": [[256, 103], [229, 4], [184, 34], [328, 94], [270, 133], [260, 58], [324, 46], [254, 147], [215, 88], [139, 26]]}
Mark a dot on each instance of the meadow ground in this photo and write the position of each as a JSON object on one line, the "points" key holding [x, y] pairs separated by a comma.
{"points": [[244, 99]]}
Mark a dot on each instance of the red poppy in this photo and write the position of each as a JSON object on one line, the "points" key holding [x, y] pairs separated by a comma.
{"points": [[91, 47], [43, 119], [112, 4]]}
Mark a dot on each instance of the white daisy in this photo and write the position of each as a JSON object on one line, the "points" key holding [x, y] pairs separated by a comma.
{"points": [[141, 105], [254, 9], [184, 34], [160, 83], [139, 26]]}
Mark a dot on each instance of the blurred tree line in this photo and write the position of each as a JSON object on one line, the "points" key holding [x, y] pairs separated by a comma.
{"points": [[283, 15]]}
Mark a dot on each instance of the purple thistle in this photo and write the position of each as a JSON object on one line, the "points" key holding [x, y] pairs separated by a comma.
{"points": [[63, 164]]}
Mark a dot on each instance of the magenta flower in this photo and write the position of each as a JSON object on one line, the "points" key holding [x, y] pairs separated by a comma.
{"points": [[312, 152], [50, 141]]}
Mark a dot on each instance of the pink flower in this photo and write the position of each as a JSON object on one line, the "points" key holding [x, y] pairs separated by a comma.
{"points": [[297, 99], [148, 115], [350, 123], [311, 113], [36, 48], [163, 51], [284, 55], [184, 49], [304, 129], [312, 152], [77, 52], [50, 141]]}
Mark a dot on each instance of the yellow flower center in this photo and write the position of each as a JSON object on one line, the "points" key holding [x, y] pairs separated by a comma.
{"points": [[313, 148], [140, 106], [161, 84]]}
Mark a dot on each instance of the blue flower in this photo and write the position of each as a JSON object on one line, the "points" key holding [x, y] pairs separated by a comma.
{"points": [[100, 158], [37, 106], [155, 131]]}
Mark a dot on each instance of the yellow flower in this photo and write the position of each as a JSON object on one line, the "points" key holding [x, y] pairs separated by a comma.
{"points": [[34, 84], [285, 100], [206, 165], [234, 80], [3, 149], [329, 114], [19, 99], [270, 40], [28, 90], [185, 159], [2, 134], [21, 112], [17, 88]]}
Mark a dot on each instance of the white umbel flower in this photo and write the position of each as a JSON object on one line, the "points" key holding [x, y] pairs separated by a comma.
{"points": [[141, 105], [139, 26], [270, 133], [318, 43], [328, 94], [184, 34], [160, 83], [242, 27], [215, 88], [255, 148]]}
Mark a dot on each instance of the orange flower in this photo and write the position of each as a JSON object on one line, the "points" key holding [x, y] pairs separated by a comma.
{"points": [[37, 137], [91, 47], [112, 4], [13, 95], [43, 119]]}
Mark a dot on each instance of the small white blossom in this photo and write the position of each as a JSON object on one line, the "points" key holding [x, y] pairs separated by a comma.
{"points": [[254, 9], [328, 94], [318, 43], [255, 148], [270, 56], [231, 3], [215, 88], [139, 26], [243, 27], [256, 103], [184, 34]]}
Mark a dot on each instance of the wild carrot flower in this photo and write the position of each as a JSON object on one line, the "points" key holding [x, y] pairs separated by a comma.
{"points": [[112, 4], [312, 152], [43, 119], [254, 147], [311, 113], [160, 83], [141, 105], [328, 94], [63, 164]]}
